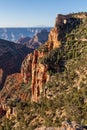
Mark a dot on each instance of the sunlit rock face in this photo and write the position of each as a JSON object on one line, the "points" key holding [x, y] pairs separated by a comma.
{"points": [[54, 40], [37, 72], [32, 68], [1, 76]]}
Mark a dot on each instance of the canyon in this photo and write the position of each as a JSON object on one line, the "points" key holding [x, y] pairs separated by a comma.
{"points": [[31, 67], [37, 40], [15, 53], [11, 57], [51, 85]]}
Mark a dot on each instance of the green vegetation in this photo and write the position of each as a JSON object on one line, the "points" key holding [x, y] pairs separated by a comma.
{"points": [[43, 48], [66, 93], [68, 83]]}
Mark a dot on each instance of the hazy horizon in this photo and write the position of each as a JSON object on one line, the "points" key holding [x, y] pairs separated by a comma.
{"points": [[27, 27]]}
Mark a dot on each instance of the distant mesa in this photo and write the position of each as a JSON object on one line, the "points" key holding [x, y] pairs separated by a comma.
{"points": [[22, 40], [12, 54], [37, 40], [13, 34]]}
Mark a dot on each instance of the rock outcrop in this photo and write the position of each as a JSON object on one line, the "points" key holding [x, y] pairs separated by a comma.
{"points": [[13, 89], [39, 76], [37, 40], [53, 41], [1, 75], [36, 72], [9, 112], [60, 93], [33, 69], [26, 69]]}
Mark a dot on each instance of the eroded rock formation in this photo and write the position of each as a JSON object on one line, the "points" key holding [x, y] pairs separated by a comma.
{"points": [[8, 111], [39, 77], [26, 69], [1, 75], [38, 39], [33, 69]]}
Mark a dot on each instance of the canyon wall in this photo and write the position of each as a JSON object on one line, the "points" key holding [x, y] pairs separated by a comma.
{"points": [[36, 72], [32, 69], [11, 57]]}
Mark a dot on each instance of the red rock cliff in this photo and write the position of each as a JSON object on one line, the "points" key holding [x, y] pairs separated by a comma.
{"points": [[33, 69]]}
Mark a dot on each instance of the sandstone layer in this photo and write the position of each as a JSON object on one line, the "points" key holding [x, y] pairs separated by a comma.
{"points": [[32, 68]]}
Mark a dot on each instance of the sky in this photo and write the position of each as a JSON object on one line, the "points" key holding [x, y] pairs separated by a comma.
{"points": [[31, 13]]}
